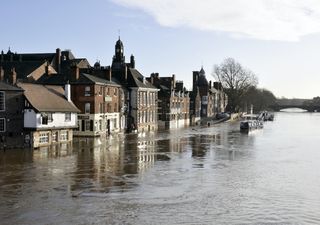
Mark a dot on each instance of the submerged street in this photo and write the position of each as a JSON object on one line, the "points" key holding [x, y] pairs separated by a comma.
{"points": [[199, 175]]}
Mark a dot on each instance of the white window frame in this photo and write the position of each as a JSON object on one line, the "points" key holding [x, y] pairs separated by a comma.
{"points": [[67, 117], [44, 138], [50, 117], [64, 136]]}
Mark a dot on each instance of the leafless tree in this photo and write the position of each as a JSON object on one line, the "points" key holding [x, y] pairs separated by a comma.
{"points": [[236, 80]]}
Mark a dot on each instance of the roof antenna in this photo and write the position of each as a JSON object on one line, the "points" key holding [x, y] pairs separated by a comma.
{"points": [[119, 33]]}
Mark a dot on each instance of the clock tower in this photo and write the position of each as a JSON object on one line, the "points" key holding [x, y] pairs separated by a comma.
{"points": [[119, 53]]}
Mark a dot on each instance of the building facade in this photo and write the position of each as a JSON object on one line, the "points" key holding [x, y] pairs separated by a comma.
{"points": [[49, 114], [11, 116], [140, 96], [173, 102], [212, 97], [99, 102]]}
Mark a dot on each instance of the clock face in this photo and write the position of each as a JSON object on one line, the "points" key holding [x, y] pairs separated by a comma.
{"points": [[118, 50]]}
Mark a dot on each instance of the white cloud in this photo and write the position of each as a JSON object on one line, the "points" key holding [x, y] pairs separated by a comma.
{"points": [[285, 20]]}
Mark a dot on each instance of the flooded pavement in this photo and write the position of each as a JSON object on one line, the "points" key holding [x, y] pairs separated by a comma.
{"points": [[208, 175]]}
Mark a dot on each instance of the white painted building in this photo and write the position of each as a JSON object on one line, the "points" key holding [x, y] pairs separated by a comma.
{"points": [[49, 114]]}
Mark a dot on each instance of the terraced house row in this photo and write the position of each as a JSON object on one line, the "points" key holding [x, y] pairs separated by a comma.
{"points": [[47, 98]]}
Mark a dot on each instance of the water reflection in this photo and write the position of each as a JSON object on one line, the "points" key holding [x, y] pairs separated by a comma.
{"points": [[188, 176]]}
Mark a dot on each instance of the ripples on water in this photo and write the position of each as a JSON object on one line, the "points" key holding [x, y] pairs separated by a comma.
{"points": [[208, 175]]}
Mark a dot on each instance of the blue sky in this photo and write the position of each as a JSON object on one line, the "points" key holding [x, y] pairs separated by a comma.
{"points": [[277, 39]]}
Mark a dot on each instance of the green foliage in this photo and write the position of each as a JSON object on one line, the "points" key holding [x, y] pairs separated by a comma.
{"points": [[261, 99]]}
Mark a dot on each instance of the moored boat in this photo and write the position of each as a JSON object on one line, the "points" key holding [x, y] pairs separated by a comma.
{"points": [[251, 122]]}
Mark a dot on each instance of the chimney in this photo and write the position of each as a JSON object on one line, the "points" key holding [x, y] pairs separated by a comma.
{"points": [[2, 56], [109, 73], [195, 79], [1, 74], [132, 62], [67, 91], [125, 73], [58, 60], [75, 72], [47, 69], [13, 76], [173, 81]]}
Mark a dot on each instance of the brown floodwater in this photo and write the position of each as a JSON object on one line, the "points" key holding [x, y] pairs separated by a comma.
{"points": [[198, 175]]}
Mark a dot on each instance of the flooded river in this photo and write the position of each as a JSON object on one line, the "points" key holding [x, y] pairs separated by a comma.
{"points": [[209, 175]]}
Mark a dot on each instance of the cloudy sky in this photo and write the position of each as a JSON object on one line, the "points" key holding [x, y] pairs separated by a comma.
{"points": [[279, 40]]}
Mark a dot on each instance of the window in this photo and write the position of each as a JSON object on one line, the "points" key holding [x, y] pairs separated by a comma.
{"points": [[101, 90], [2, 101], [44, 119], [87, 91], [50, 119], [64, 135], [55, 136], [100, 124], [44, 138], [87, 108], [2, 125], [109, 108], [101, 108], [115, 91], [87, 125], [67, 116]]}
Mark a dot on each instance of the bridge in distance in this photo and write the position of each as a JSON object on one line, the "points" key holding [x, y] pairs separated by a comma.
{"points": [[285, 103]]}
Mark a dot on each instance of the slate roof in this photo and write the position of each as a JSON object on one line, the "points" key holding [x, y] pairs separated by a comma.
{"points": [[90, 79], [138, 80], [47, 98], [23, 69], [8, 87]]}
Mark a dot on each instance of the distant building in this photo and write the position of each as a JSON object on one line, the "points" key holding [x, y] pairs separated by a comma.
{"points": [[11, 116], [173, 102], [195, 106], [221, 101], [140, 95], [213, 98], [49, 114]]}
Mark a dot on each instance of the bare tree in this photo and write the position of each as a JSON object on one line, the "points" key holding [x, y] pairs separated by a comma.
{"points": [[236, 80]]}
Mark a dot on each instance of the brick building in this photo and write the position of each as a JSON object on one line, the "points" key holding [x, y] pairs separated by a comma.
{"points": [[140, 95], [173, 102]]}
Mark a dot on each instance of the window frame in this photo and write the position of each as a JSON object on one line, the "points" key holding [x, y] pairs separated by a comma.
{"points": [[86, 109], [4, 125], [67, 116], [2, 101], [87, 91]]}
